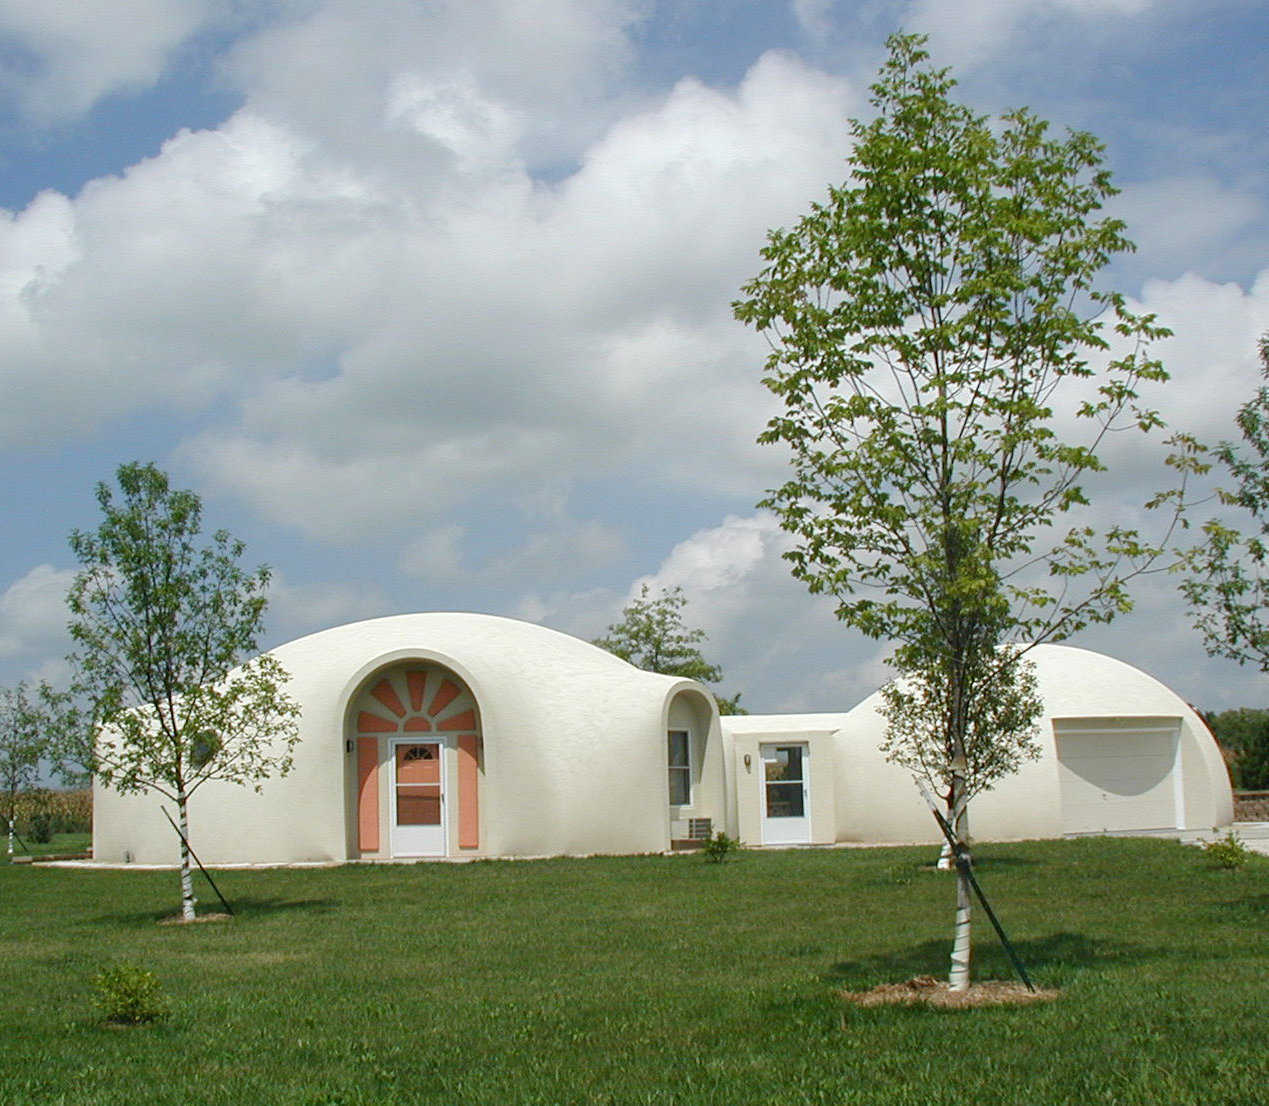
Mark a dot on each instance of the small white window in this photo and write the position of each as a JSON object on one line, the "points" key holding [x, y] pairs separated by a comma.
{"points": [[680, 760]]}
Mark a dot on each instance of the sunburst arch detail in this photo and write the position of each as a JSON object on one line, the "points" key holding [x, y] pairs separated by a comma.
{"points": [[416, 700]]}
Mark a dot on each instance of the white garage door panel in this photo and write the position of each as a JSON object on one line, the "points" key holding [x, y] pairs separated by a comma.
{"points": [[1118, 778]]}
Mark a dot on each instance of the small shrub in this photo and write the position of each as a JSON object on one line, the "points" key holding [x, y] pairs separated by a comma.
{"points": [[128, 994], [719, 847], [40, 827], [1228, 851]]}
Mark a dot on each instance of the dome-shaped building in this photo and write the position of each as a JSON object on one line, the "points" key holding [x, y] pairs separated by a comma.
{"points": [[1119, 753], [452, 735], [464, 735]]}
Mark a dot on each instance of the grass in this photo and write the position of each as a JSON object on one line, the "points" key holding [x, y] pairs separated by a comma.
{"points": [[645, 980], [61, 843]]}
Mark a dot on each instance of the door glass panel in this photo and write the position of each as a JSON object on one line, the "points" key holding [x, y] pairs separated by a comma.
{"points": [[418, 764], [783, 769], [419, 784], [784, 800], [785, 763], [418, 806]]}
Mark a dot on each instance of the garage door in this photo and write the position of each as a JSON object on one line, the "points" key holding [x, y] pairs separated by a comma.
{"points": [[1118, 776]]}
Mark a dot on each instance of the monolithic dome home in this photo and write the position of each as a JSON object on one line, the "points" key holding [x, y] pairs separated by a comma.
{"points": [[464, 735]]}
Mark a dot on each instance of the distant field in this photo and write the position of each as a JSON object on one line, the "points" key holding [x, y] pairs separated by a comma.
{"points": [[646, 980]]}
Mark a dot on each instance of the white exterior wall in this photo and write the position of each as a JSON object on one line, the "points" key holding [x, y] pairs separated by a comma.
{"points": [[574, 754], [745, 735], [689, 710], [877, 801]]}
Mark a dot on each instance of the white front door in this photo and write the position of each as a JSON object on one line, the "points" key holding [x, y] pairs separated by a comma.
{"points": [[418, 798], [786, 806]]}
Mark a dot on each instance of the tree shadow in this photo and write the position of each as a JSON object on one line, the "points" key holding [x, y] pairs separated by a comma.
{"points": [[1055, 954], [244, 907], [1254, 906]]}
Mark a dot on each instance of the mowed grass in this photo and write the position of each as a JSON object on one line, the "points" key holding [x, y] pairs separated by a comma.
{"points": [[646, 980], [68, 843]]}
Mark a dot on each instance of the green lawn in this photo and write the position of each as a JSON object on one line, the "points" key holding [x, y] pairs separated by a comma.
{"points": [[646, 980], [61, 843]]}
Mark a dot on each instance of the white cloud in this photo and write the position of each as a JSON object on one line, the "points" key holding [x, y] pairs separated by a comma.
{"points": [[33, 613], [970, 32], [813, 16], [296, 609], [82, 50], [1190, 222]]}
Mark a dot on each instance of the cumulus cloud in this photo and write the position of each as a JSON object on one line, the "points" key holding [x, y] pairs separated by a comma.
{"points": [[1217, 222], [33, 614], [298, 608], [65, 55], [970, 32]]}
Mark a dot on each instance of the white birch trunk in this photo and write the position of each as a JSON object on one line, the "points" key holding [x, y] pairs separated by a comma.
{"points": [[958, 976], [187, 879], [11, 831]]}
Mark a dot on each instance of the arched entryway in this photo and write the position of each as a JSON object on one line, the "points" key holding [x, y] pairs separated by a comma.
{"points": [[416, 733]]}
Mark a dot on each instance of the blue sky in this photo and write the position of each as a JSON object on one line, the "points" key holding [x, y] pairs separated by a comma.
{"points": [[430, 302]]}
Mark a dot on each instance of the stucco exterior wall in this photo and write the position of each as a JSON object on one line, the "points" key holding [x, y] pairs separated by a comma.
{"points": [[574, 757], [745, 736], [877, 802]]}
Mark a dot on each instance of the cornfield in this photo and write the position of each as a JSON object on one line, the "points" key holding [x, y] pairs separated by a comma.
{"points": [[60, 811]]}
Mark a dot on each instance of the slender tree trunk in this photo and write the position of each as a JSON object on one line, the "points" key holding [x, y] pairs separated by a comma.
{"points": [[11, 831], [958, 977], [187, 879]]}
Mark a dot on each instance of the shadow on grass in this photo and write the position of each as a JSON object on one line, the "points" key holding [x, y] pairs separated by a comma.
{"points": [[1055, 954], [1255, 906], [243, 908]]}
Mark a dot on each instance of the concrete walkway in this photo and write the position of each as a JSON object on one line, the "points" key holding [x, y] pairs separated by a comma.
{"points": [[1255, 835]]}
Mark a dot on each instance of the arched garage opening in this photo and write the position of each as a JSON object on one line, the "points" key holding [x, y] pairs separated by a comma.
{"points": [[1119, 775], [414, 731]]}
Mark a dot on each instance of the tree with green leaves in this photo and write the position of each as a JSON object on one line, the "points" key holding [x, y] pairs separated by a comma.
{"points": [[927, 321], [1226, 583], [170, 686], [1243, 736], [23, 744], [651, 635]]}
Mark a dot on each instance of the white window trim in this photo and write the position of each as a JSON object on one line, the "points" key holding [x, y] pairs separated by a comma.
{"points": [[678, 767]]}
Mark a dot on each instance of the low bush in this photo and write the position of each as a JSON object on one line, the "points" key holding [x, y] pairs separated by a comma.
{"points": [[128, 994], [719, 847], [1228, 851]]}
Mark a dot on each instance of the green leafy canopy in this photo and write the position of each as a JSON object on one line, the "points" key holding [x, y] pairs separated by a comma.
{"points": [[928, 320], [651, 635], [166, 628], [1226, 584]]}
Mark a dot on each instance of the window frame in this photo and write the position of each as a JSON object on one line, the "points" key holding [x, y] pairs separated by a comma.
{"points": [[684, 770]]}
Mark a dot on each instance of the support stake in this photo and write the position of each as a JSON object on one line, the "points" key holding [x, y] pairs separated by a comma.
{"points": [[228, 909], [965, 866]]}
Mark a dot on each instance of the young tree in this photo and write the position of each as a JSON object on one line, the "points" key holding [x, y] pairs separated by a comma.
{"points": [[22, 746], [1226, 584], [923, 320], [162, 623], [651, 636]]}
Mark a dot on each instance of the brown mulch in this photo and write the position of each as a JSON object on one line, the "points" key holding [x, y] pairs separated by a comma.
{"points": [[925, 990], [177, 920]]}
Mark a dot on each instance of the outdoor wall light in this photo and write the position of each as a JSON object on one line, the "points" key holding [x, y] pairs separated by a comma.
{"points": [[748, 760]]}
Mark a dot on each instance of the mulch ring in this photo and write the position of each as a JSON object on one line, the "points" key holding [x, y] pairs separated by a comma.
{"points": [[925, 990], [177, 920]]}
